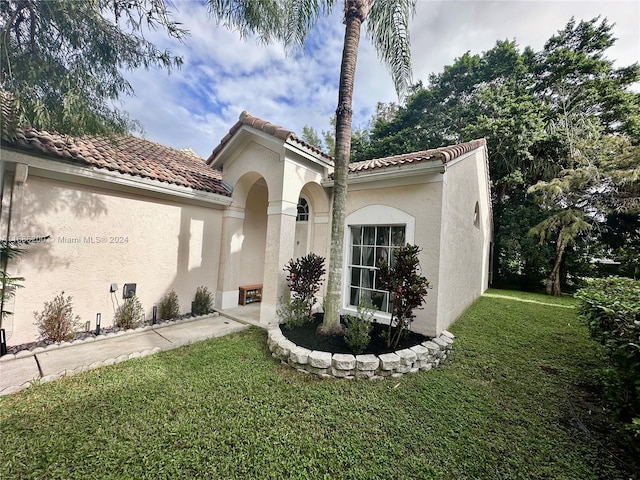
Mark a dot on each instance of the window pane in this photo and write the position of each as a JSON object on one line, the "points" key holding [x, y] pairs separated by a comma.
{"points": [[381, 254], [355, 276], [367, 278], [368, 235], [382, 236], [367, 256], [354, 297], [356, 235], [397, 236], [370, 245], [377, 299], [378, 284], [355, 256], [392, 256]]}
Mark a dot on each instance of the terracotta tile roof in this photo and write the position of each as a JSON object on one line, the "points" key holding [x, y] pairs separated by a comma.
{"points": [[267, 127], [124, 154], [444, 154]]}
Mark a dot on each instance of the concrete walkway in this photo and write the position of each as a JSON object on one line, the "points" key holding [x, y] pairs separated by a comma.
{"points": [[45, 364]]}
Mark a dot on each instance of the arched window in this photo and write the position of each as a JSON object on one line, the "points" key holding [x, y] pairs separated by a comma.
{"points": [[303, 210]]}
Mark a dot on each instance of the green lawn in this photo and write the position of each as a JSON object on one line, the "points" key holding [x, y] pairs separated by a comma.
{"points": [[512, 402]]}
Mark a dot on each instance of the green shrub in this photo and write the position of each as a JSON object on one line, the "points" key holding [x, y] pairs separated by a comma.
{"points": [[169, 306], [406, 287], [303, 278], [611, 309], [56, 322], [358, 331], [203, 302], [293, 313], [129, 314]]}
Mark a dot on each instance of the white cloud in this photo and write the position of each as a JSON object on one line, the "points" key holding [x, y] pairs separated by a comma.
{"points": [[222, 75]]}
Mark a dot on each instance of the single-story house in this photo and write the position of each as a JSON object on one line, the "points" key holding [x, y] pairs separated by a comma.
{"points": [[125, 210]]}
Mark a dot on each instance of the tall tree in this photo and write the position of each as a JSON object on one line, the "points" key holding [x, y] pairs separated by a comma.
{"points": [[62, 61], [539, 111], [387, 25], [310, 136]]}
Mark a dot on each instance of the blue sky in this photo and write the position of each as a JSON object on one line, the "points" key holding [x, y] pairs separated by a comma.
{"points": [[194, 106]]}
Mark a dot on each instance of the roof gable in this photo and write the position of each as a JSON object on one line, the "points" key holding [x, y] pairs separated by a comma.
{"points": [[276, 131]]}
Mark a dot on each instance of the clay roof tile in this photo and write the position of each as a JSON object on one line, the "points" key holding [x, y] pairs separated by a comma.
{"points": [[125, 154], [444, 154]]}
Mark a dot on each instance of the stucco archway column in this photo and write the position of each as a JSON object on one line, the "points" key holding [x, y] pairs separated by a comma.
{"points": [[281, 230], [231, 249]]}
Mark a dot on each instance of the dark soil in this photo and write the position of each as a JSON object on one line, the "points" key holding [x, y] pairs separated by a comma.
{"points": [[307, 336]]}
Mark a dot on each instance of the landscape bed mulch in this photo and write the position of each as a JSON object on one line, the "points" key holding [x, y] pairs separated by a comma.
{"points": [[307, 336]]}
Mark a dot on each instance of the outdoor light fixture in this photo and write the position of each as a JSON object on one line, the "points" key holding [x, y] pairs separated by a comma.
{"points": [[3, 342], [98, 318], [193, 308], [155, 315]]}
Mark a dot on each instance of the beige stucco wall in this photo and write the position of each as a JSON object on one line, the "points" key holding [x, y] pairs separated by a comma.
{"points": [[255, 235], [421, 201], [100, 237], [464, 262]]}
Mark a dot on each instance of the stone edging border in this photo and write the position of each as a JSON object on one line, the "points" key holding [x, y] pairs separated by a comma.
{"points": [[55, 346], [425, 356]]}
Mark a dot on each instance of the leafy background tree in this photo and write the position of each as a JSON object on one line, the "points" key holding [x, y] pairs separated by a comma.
{"points": [[563, 121], [62, 61]]}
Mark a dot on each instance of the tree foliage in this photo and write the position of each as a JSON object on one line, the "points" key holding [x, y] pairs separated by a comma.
{"points": [[610, 308], [62, 61], [562, 118]]}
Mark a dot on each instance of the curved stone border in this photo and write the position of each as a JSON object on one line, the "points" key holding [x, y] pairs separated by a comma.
{"points": [[103, 336], [340, 365]]}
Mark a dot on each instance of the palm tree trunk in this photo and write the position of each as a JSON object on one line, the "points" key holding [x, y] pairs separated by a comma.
{"points": [[355, 13]]}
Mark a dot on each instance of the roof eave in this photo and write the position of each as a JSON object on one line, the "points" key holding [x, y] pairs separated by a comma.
{"points": [[396, 171], [308, 153], [55, 169]]}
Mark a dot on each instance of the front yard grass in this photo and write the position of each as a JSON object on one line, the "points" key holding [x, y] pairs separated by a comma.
{"points": [[516, 400]]}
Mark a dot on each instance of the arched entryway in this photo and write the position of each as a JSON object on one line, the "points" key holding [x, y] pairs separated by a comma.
{"points": [[255, 234], [244, 233]]}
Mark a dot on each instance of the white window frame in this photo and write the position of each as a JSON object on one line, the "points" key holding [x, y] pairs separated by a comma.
{"points": [[371, 216]]}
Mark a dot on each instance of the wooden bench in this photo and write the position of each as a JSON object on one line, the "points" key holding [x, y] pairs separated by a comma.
{"points": [[250, 294]]}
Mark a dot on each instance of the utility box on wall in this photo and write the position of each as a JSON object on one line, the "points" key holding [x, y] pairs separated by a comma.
{"points": [[129, 290]]}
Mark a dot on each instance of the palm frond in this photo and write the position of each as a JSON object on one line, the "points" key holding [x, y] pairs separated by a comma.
{"points": [[265, 18], [302, 16], [388, 29]]}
